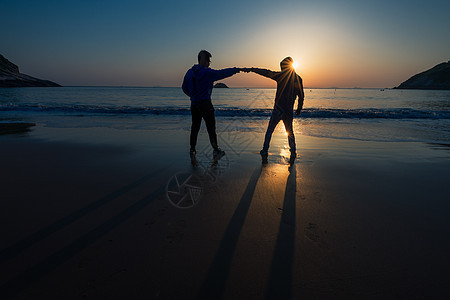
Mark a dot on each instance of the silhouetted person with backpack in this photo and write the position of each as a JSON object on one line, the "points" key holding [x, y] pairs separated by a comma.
{"points": [[198, 85], [289, 86]]}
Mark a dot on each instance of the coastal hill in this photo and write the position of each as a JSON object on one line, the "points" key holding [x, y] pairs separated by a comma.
{"points": [[220, 85], [11, 77], [436, 78]]}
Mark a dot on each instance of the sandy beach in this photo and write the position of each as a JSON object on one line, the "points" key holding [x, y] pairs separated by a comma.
{"points": [[85, 214]]}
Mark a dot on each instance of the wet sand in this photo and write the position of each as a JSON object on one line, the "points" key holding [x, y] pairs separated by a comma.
{"points": [[86, 214]]}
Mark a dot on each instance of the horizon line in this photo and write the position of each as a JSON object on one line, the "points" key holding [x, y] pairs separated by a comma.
{"points": [[273, 88]]}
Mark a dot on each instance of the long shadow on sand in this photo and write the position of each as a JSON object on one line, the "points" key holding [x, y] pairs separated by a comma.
{"points": [[19, 283], [214, 285], [280, 277], [41, 234]]}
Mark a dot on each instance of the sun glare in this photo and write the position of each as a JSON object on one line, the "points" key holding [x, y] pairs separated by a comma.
{"points": [[294, 65]]}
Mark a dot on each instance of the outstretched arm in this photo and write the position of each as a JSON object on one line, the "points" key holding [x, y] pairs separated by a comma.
{"points": [[223, 73], [264, 72]]}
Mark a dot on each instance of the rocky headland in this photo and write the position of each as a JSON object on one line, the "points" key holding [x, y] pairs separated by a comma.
{"points": [[220, 85], [436, 78], [11, 77]]}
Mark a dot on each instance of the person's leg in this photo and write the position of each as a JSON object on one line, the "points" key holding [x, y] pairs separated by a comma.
{"points": [[196, 123], [287, 120], [274, 119], [210, 121]]}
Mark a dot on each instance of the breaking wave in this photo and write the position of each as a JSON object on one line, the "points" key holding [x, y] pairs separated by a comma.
{"points": [[315, 113]]}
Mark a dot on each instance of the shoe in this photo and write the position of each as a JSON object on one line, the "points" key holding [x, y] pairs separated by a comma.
{"points": [[264, 156], [218, 152]]}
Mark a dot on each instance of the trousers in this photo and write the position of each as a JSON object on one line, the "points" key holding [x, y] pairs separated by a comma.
{"points": [[203, 110], [275, 118]]}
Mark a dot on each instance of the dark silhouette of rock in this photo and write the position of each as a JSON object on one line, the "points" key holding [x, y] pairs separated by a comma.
{"points": [[220, 85], [436, 78], [11, 77], [15, 127]]}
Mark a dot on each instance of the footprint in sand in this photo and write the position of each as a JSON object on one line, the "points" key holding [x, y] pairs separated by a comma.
{"points": [[175, 233], [118, 274], [312, 232], [158, 215], [174, 237], [181, 223], [84, 263], [91, 285], [317, 197]]}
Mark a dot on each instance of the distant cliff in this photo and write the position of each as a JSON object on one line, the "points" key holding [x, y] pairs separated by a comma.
{"points": [[11, 77], [220, 85], [436, 78]]}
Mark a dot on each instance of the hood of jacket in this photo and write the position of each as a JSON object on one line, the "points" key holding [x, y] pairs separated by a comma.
{"points": [[198, 71]]}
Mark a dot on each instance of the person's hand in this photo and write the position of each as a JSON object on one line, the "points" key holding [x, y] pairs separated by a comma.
{"points": [[297, 112]]}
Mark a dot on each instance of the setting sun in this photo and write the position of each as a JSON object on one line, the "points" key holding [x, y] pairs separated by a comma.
{"points": [[294, 65]]}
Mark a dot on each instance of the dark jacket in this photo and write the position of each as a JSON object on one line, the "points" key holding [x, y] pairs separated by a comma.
{"points": [[198, 81], [289, 86]]}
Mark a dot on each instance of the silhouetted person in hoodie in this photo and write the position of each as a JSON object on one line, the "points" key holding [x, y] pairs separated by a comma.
{"points": [[289, 86], [198, 85]]}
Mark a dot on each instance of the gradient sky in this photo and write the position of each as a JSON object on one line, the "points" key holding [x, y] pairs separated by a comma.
{"points": [[153, 43]]}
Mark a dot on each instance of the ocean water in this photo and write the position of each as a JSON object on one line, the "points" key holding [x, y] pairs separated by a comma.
{"points": [[360, 114]]}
